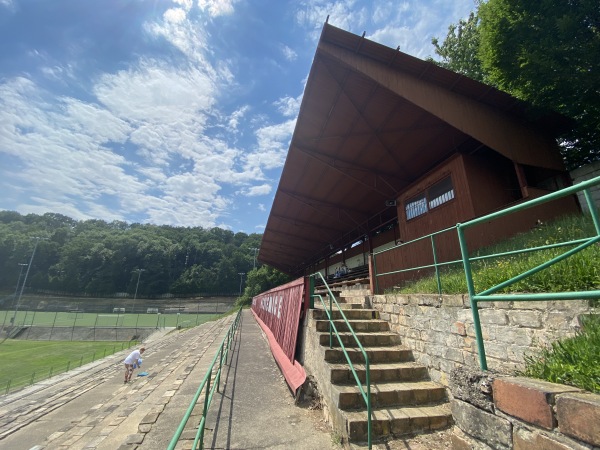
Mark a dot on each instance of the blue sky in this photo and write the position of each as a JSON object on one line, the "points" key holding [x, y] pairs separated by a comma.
{"points": [[174, 112]]}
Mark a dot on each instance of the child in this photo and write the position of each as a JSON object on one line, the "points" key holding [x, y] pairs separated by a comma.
{"points": [[132, 361]]}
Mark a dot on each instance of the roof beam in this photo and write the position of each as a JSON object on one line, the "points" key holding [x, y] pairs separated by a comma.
{"points": [[312, 239], [488, 125], [331, 162], [285, 246], [311, 202], [360, 110], [304, 223]]}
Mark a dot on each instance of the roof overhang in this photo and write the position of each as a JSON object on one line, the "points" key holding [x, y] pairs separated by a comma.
{"points": [[372, 121]]}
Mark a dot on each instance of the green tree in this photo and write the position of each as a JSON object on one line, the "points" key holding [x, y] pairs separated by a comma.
{"points": [[459, 51], [547, 52], [260, 280]]}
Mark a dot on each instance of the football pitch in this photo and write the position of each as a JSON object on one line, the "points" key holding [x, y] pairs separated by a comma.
{"points": [[27, 362], [82, 319]]}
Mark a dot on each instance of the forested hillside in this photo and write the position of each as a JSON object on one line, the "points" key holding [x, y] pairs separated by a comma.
{"points": [[100, 258]]}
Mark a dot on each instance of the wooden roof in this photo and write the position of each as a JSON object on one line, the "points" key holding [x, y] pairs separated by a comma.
{"points": [[372, 121]]}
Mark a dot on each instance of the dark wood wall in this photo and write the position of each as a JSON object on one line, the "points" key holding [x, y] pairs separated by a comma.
{"points": [[482, 184]]}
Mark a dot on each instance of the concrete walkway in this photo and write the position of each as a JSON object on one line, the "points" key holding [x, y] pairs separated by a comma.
{"points": [[91, 408]]}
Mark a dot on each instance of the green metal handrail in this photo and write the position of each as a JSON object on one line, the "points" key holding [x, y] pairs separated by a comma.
{"points": [[436, 265], [221, 355], [466, 260], [485, 296], [332, 329]]}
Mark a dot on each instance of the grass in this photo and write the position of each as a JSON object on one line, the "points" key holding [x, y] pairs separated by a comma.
{"points": [[579, 272], [26, 362], [572, 361]]}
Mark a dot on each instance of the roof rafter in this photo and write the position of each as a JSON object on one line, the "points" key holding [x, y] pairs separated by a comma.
{"points": [[310, 202], [331, 162]]}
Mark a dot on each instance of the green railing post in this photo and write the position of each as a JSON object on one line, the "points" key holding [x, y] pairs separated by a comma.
{"points": [[32, 378], [365, 395], [374, 259], [592, 208], [8, 386], [222, 354], [471, 289], [311, 290], [435, 263]]}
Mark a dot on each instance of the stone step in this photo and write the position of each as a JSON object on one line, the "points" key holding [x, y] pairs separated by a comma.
{"points": [[391, 394], [397, 421], [355, 291], [351, 314], [342, 305], [379, 339], [376, 355], [371, 325], [404, 371]]}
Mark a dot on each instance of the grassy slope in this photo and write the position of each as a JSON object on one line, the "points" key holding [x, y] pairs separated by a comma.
{"points": [[580, 272]]}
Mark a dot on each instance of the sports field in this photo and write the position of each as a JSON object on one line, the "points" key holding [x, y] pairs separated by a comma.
{"points": [[76, 319], [27, 362]]}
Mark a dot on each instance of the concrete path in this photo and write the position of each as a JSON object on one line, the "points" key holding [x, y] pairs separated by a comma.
{"points": [[91, 408]]}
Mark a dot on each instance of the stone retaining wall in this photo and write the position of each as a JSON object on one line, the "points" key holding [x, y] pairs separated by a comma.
{"points": [[522, 414], [583, 174], [439, 329]]}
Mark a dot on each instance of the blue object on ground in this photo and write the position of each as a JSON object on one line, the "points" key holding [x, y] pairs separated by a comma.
{"points": [[142, 374]]}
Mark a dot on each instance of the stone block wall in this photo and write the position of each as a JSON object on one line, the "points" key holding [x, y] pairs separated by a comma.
{"points": [[439, 329], [521, 414], [587, 173]]}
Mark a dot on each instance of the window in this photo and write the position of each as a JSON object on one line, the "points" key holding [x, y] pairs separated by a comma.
{"points": [[440, 193], [436, 195], [416, 206]]}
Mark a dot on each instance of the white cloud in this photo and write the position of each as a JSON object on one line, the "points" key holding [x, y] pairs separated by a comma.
{"points": [[217, 7], [175, 15], [236, 116], [273, 143], [151, 92], [261, 207], [289, 106], [255, 191], [410, 24], [345, 14], [288, 53]]}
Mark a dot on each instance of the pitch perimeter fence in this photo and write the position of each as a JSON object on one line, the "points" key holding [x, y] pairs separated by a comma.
{"points": [[40, 318]]}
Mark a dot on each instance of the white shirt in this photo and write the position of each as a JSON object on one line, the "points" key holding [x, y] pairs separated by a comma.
{"points": [[133, 357]]}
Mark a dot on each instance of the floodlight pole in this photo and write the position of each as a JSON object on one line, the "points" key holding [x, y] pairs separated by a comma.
{"points": [[16, 292], [139, 271], [37, 241], [241, 274], [255, 250]]}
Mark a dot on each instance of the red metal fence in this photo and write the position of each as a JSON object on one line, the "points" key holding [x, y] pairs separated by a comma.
{"points": [[278, 313]]}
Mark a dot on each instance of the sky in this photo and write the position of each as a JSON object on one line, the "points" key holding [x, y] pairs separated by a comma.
{"points": [[170, 112]]}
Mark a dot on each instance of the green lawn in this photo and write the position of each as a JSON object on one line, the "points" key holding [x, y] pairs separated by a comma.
{"points": [[27, 361]]}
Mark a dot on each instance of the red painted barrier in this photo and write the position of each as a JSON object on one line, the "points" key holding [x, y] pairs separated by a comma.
{"points": [[278, 313]]}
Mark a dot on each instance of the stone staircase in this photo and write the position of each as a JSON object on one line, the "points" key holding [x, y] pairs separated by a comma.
{"points": [[404, 401]]}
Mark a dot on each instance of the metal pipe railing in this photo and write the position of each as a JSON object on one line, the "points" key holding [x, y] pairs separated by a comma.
{"points": [[205, 386], [365, 393], [466, 260]]}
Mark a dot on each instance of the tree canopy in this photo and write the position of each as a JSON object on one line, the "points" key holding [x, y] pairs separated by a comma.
{"points": [[545, 52], [103, 258]]}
